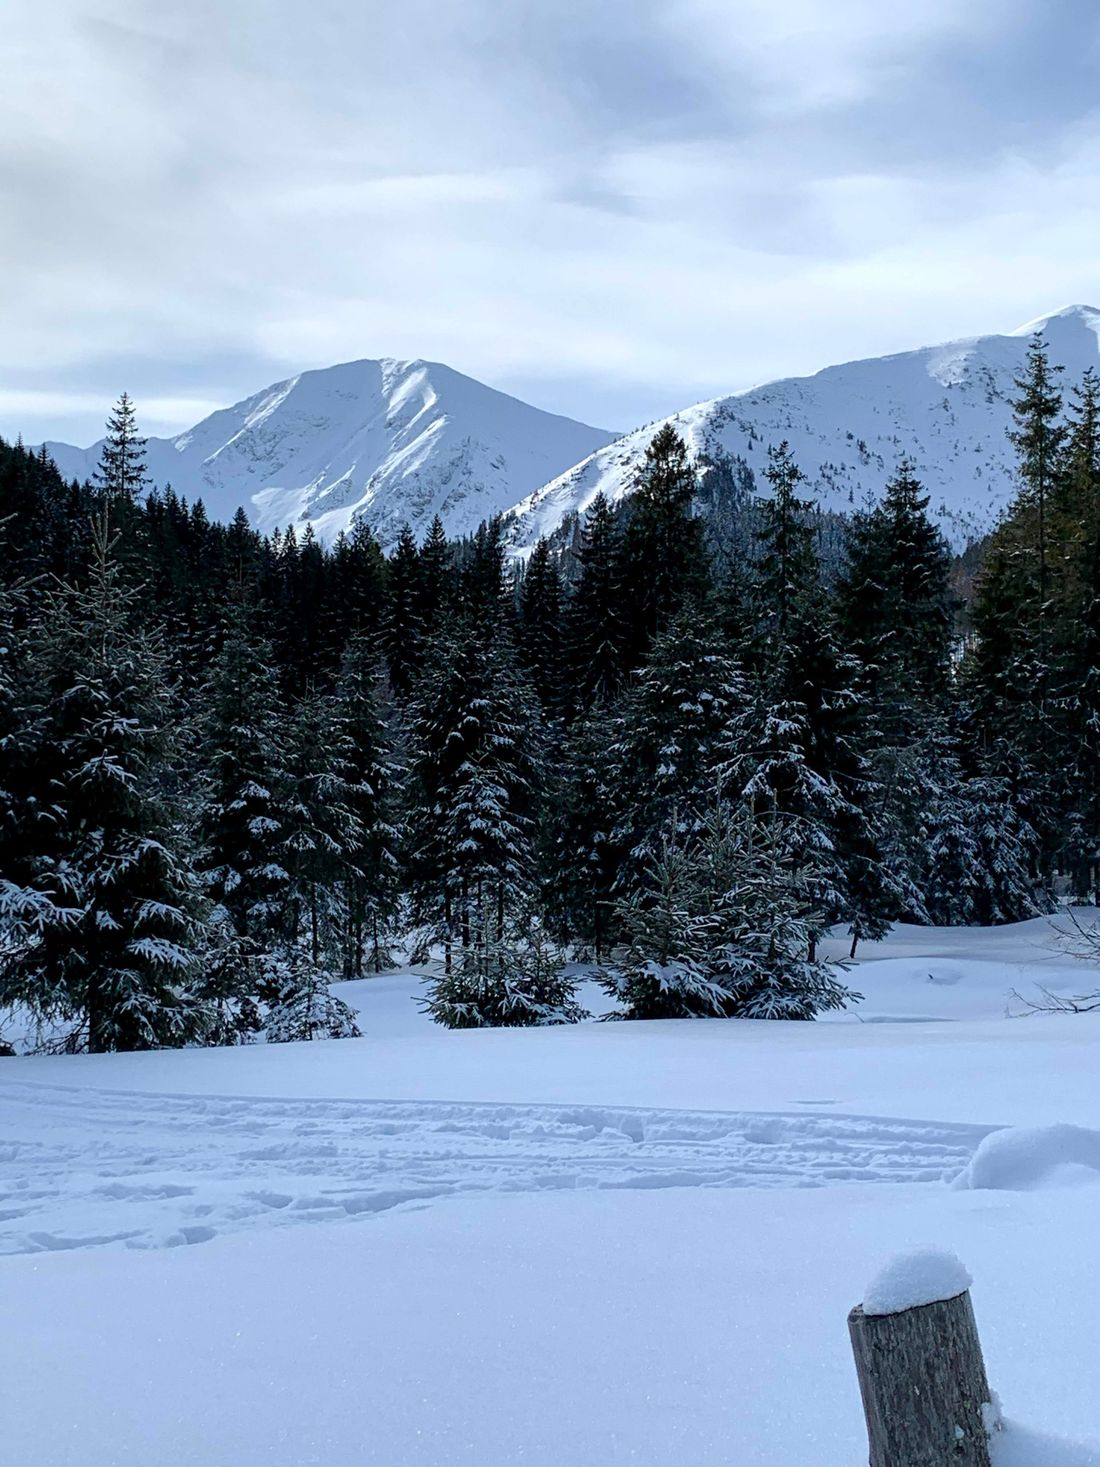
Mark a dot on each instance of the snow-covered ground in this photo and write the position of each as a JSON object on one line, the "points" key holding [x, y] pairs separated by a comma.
{"points": [[612, 1243]]}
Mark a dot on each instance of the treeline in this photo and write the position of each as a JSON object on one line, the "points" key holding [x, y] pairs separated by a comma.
{"points": [[233, 766]]}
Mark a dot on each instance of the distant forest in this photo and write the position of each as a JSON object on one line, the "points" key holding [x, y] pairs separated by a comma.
{"points": [[682, 741]]}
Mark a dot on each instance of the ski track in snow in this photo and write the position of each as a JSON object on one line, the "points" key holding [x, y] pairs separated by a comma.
{"points": [[93, 1168]]}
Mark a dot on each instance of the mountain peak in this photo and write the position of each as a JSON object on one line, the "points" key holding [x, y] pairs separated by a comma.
{"points": [[946, 408], [383, 440], [1085, 315]]}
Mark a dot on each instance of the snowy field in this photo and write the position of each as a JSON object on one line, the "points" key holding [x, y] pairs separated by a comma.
{"points": [[605, 1244]]}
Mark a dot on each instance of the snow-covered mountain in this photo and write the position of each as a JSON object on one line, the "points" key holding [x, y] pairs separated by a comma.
{"points": [[947, 407], [386, 441]]}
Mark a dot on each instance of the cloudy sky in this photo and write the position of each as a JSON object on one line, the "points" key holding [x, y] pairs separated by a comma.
{"points": [[609, 207]]}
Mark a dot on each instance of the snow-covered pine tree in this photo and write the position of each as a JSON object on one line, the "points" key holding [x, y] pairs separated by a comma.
{"points": [[320, 832], [34, 899], [512, 978], [674, 726], [371, 775], [114, 932], [808, 762], [595, 625], [665, 563], [980, 857], [1075, 633], [476, 774], [302, 1006], [895, 608], [1039, 437], [720, 930], [121, 474], [665, 973], [403, 630], [786, 565], [436, 579], [241, 820], [581, 815], [1010, 678], [540, 627], [487, 585], [895, 611], [757, 931]]}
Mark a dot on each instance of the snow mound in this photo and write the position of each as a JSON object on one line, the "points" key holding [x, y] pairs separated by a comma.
{"points": [[1022, 1158], [921, 1276]]}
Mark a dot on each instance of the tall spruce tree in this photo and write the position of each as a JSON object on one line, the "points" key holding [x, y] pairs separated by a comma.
{"points": [[665, 564], [370, 771], [540, 618], [895, 613], [595, 619], [476, 775], [121, 474], [582, 814], [809, 764], [112, 939], [320, 831], [1010, 672], [895, 606], [674, 731], [403, 629], [242, 818]]}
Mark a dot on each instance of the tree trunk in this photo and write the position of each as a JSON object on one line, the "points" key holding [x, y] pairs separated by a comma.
{"points": [[924, 1388]]}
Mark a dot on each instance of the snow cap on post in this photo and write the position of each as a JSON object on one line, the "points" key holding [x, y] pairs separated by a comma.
{"points": [[921, 1276]]}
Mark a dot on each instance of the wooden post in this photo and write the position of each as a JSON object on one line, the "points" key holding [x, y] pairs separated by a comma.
{"points": [[923, 1383]]}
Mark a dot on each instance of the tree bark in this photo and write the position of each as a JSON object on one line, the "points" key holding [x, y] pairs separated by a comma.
{"points": [[923, 1384]]}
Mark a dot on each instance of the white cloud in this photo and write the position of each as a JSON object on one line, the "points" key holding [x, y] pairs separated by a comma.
{"points": [[615, 210]]}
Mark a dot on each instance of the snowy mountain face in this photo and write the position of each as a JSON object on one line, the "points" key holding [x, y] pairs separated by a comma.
{"points": [[947, 408], [384, 441]]}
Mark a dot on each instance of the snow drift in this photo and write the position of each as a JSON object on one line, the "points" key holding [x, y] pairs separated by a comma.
{"points": [[1021, 1158]]}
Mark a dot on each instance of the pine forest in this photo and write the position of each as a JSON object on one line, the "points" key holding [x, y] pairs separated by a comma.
{"points": [[675, 745]]}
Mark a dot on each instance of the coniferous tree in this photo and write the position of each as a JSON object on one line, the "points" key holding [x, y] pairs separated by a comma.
{"points": [[369, 769], [1038, 438], [242, 818], [809, 764], [320, 829], [403, 632], [540, 617], [1075, 632], [486, 582], [113, 937], [579, 836], [595, 619], [895, 607], [302, 1005], [1010, 677], [436, 579], [664, 555], [895, 614], [720, 930], [122, 474], [674, 733], [477, 751]]}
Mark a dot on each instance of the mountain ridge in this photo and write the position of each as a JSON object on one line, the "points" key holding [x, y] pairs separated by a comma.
{"points": [[946, 407], [383, 439], [394, 442]]}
